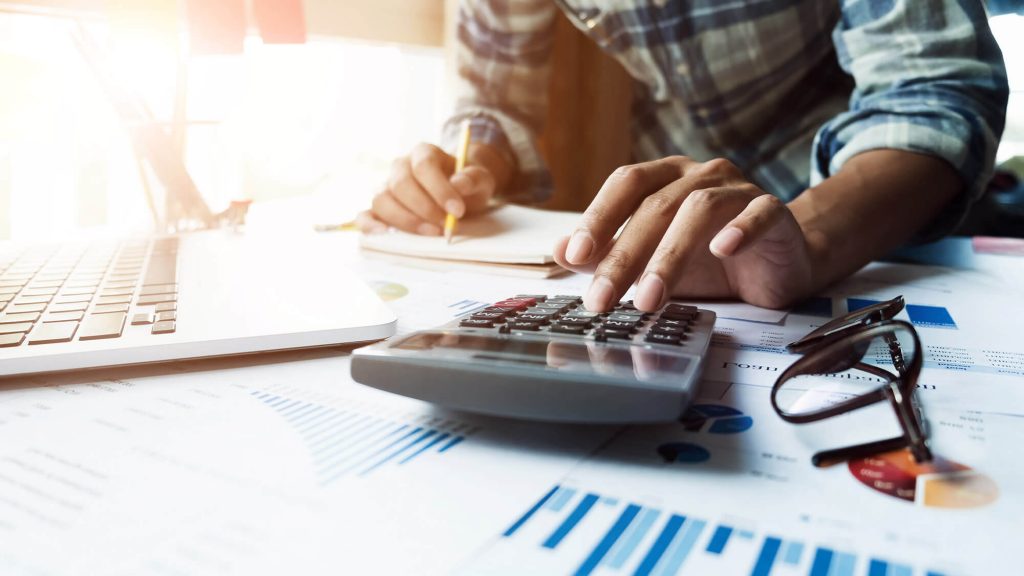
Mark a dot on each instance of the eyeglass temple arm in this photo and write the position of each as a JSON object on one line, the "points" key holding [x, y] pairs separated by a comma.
{"points": [[828, 458]]}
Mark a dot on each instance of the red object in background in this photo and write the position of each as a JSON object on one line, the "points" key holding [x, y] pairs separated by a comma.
{"points": [[216, 26], [280, 21]]}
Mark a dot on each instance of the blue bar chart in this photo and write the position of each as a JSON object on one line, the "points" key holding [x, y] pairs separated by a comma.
{"points": [[353, 443], [633, 538], [927, 316]]}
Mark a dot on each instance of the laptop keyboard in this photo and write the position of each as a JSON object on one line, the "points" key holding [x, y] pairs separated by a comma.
{"points": [[58, 294]]}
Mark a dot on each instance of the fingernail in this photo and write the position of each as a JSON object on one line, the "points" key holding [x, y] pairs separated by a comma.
{"points": [[600, 294], [455, 208], [726, 242], [429, 229], [650, 292], [581, 245]]}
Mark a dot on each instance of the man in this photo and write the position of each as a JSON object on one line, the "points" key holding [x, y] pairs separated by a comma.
{"points": [[781, 144]]}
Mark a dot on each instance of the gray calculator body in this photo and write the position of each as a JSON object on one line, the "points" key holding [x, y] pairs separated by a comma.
{"points": [[513, 369]]}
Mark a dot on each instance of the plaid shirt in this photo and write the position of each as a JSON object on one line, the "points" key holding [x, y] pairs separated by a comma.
{"points": [[788, 90]]}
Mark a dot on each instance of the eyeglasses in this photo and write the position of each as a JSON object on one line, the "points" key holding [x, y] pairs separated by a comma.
{"points": [[832, 378]]}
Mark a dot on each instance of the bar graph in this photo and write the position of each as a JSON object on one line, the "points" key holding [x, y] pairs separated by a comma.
{"points": [[355, 443], [634, 538], [463, 307], [927, 316]]}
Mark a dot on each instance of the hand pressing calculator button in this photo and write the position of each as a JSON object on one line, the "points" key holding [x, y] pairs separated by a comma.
{"points": [[548, 358]]}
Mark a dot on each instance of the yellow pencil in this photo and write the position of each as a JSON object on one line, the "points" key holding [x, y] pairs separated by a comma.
{"points": [[460, 162]]}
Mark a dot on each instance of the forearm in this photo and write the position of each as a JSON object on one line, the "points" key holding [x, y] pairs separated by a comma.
{"points": [[877, 202]]}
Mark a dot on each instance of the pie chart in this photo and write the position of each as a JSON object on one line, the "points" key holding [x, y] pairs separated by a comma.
{"points": [[940, 483], [716, 419]]}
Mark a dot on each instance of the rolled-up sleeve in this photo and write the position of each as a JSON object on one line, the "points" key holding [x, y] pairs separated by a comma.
{"points": [[929, 79], [502, 56]]}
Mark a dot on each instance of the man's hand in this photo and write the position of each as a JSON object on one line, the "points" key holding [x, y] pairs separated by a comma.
{"points": [[694, 229], [423, 188]]}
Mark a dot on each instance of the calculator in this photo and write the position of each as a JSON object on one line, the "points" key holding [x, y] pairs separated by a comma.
{"points": [[549, 358]]}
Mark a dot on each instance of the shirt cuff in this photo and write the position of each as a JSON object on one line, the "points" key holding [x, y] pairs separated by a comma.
{"points": [[968, 149], [532, 181]]}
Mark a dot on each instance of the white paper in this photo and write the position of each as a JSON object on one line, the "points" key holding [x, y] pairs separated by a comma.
{"points": [[510, 234]]}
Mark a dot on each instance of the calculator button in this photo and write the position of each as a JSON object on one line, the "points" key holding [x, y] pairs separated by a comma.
{"points": [[626, 305], [619, 325], [634, 318], [489, 316], [502, 309], [517, 301], [523, 325], [471, 323], [672, 323], [539, 318], [669, 330], [552, 306], [540, 312], [657, 338], [573, 297], [570, 302], [560, 328], [572, 321], [513, 305], [582, 314], [617, 334], [536, 297]]}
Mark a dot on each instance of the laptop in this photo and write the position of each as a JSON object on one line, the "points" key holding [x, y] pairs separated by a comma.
{"points": [[210, 292]]}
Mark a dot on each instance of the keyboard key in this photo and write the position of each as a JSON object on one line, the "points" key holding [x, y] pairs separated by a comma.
{"points": [[12, 283], [82, 284], [33, 299], [6, 318], [156, 299], [165, 316], [78, 292], [63, 316], [8, 340], [114, 299], [166, 307], [48, 284], [14, 328], [163, 267], [158, 289], [19, 308], [52, 332], [140, 319], [471, 323], [656, 338], [97, 326], [68, 307], [73, 299], [163, 327], [39, 292], [108, 292], [108, 308], [120, 284]]}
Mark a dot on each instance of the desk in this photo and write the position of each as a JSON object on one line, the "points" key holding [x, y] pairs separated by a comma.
{"points": [[280, 464]]}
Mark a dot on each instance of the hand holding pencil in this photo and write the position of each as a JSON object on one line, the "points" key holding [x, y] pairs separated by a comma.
{"points": [[429, 188]]}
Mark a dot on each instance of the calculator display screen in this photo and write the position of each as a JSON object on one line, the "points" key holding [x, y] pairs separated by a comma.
{"points": [[563, 355]]}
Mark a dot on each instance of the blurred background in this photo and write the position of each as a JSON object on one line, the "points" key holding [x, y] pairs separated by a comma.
{"points": [[265, 99]]}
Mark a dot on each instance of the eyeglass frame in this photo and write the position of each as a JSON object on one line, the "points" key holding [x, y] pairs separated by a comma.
{"points": [[865, 324]]}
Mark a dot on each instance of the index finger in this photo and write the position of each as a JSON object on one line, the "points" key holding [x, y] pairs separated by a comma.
{"points": [[618, 198], [432, 168]]}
